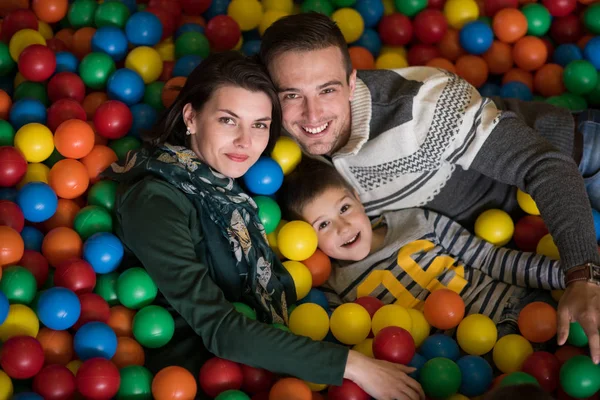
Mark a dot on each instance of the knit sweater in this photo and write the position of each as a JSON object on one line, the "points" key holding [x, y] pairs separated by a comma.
{"points": [[423, 137]]}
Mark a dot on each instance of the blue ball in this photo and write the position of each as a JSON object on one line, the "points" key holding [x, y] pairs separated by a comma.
{"points": [[110, 40], [58, 308], [516, 90], [316, 296], [66, 62], [591, 52], [251, 47], [476, 37], [131, 5], [417, 362], [189, 27], [27, 396], [104, 252], [9, 194], [371, 11], [371, 41], [596, 216], [440, 345], [143, 29], [477, 375], [489, 89], [144, 118], [32, 238], [217, 7], [37, 201], [254, 34], [26, 111], [565, 53], [264, 177], [186, 64], [125, 85], [95, 339], [4, 307]]}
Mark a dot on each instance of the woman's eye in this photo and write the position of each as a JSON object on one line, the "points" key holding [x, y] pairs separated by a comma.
{"points": [[260, 125], [323, 225], [227, 120]]}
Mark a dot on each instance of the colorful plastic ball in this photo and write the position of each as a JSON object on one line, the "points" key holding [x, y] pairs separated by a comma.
{"points": [[297, 240], [37, 63], [144, 116], [477, 334], [247, 13], [560, 8], [21, 357], [350, 323], [103, 194], [494, 226], [104, 251], [11, 215], [192, 43], [510, 352], [58, 308], [440, 377], [390, 315], [268, 212], [135, 288], [76, 275], [21, 321], [591, 18], [32, 90], [509, 25], [530, 53], [27, 111], [81, 13], [7, 133], [223, 33], [287, 154], [12, 167], [394, 344], [98, 378], [66, 85], [430, 26], [50, 11], [7, 64], [126, 86], [580, 377], [516, 90], [110, 40], [371, 11], [68, 178], [518, 378], [350, 23], [12, 246], [444, 309], [476, 375], [185, 65], [545, 368], [143, 29], [395, 30], [439, 345], [476, 37], [113, 119], [95, 69], [37, 201], [538, 19], [371, 41], [95, 339], [54, 382], [459, 12], [146, 62], [111, 13], [309, 320], [301, 277], [153, 326], [18, 284], [218, 375], [136, 381], [23, 39], [580, 77], [410, 8], [174, 381], [591, 52], [538, 322], [264, 177], [74, 138]]}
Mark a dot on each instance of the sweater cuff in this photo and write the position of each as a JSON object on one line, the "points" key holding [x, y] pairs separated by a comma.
{"points": [[578, 251]]}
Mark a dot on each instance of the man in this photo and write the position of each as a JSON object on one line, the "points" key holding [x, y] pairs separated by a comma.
{"points": [[423, 137]]}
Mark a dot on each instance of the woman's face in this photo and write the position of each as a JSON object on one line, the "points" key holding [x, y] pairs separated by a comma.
{"points": [[232, 129]]}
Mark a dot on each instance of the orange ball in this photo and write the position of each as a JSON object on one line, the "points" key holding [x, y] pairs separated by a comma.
{"points": [[290, 388], [192, 19], [519, 75], [548, 80], [473, 69], [68, 178], [5, 105], [60, 244], [509, 25], [449, 46], [530, 53], [74, 138], [66, 36], [499, 57], [444, 309], [81, 44], [121, 320], [171, 89], [442, 63], [537, 322], [64, 216], [319, 266], [50, 11], [174, 383], [361, 58], [11, 246], [98, 160], [581, 43], [92, 101], [57, 345], [129, 352]]}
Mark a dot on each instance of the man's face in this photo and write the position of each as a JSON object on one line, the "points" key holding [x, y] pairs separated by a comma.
{"points": [[315, 97]]}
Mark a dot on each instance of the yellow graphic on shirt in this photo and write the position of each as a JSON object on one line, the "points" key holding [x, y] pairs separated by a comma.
{"points": [[425, 278]]}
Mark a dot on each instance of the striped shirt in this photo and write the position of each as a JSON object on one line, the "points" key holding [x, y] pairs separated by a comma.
{"points": [[424, 251]]}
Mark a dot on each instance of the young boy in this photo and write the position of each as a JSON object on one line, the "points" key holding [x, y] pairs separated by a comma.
{"points": [[406, 254]]}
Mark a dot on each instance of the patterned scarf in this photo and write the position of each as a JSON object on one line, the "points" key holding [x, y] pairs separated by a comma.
{"points": [[223, 207]]}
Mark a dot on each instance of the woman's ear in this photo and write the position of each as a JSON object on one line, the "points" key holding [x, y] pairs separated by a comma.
{"points": [[189, 117]]}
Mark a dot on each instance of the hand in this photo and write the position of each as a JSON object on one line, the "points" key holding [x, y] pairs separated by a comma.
{"points": [[581, 303], [382, 380]]}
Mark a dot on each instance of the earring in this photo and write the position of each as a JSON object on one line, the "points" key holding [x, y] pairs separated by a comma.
{"points": [[188, 132]]}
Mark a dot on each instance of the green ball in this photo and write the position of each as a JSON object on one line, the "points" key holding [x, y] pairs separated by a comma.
{"points": [[518, 378], [318, 6], [575, 101], [103, 193], [7, 133], [135, 288], [7, 64], [53, 159], [136, 383], [111, 13], [18, 284], [81, 13], [245, 309], [95, 69], [410, 8], [92, 219], [123, 145], [268, 212], [232, 395], [106, 287], [343, 3], [485, 19], [580, 377], [153, 326], [591, 18], [558, 101], [538, 19], [152, 95], [580, 77], [32, 90], [281, 327], [192, 43], [440, 377], [577, 336], [593, 97]]}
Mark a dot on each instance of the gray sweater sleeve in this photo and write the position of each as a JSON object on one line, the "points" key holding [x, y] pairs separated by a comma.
{"points": [[516, 154]]}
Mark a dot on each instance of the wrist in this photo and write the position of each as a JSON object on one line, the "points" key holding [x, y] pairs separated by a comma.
{"points": [[586, 273], [353, 363]]}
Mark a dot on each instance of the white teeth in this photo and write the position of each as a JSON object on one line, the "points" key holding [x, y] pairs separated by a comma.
{"points": [[351, 240], [316, 130]]}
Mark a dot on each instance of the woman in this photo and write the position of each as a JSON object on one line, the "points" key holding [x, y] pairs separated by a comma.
{"points": [[181, 214]]}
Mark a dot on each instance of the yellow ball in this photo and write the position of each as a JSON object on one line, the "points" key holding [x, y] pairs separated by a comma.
{"points": [[145, 61], [272, 239], [316, 387], [21, 321], [35, 141], [391, 315], [350, 23], [365, 347], [495, 226], [547, 247], [301, 276], [297, 240], [389, 7], [526, 203], [279, 5], [390, 61], [557, 294], [23, 39], [311, 320], [400, 50], [420, 327], [239, 44], [45, 30], [287, 154], [247, 13], [510, 352], [166, 50], [350, 323], [74, 365], [457, 396], [268, 18], [6, 386], [477, 334], [36, 172], [19, 78], [460, 12]]}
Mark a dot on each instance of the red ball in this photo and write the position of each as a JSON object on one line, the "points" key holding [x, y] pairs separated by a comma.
{"points": [[560, 8], [223, 33], [172, 7], [430, 26], [12, 166], [218, 375], [491, 7], [394, 344], [55, 382], [348, 391], [63, 110], [544, 367], [566, 29], [167, 71], [66, 85], [21, 357], [256, 380], [37, 264], [395, 29], [113, 119], [16, 20], [195, 7], [436, 4], [75, 274], [37, 63], [370, 303], [167, 20], [566, 352], [56, 45], [421, 54], [11, 215], [98, 379], [528, 232], [93, 309]]}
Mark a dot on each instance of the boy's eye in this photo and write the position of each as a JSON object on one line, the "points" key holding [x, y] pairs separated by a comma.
{"points": [[323, 225], [345, 208]]}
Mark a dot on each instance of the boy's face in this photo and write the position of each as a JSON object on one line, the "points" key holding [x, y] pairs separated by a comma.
{"points": [[343, 229]]}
